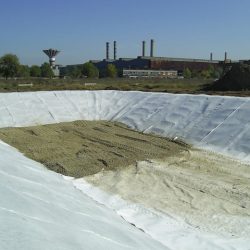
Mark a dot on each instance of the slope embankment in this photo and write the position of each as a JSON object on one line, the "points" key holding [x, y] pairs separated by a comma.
{"points": [[216, 123]]}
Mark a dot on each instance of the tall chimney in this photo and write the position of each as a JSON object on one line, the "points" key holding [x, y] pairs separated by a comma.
{"points": [[211, 56], [151, 48], [143, 48], [114, 50], [107, 50], [225, 56]]}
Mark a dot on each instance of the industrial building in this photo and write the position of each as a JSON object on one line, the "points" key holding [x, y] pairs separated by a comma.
{"points": [[152, 63], [142, 73]]}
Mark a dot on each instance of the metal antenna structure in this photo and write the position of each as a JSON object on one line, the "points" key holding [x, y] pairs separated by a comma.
{"points": [[51, 53]]}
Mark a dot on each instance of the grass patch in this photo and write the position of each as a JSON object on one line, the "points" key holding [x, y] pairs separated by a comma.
{"points": [[153, 85]]}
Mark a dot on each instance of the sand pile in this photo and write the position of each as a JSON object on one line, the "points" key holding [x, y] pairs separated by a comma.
{"points": [[83, 148], [210, 192]]}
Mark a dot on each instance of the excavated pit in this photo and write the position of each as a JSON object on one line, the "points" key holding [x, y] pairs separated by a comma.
{"points": [[168, 176]]}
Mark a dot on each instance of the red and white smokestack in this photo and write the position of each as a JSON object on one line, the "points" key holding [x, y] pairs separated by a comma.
{"points": [[151, 48]]}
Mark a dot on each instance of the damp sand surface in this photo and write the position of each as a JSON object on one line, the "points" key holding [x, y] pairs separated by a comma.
{"points": [[82, 148]]}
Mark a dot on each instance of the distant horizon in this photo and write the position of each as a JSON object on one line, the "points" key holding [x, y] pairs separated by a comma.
{"points": [[180, 28]]}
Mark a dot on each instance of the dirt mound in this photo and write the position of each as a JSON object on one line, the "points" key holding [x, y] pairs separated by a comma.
{"points": [[236, 79], [83, 148]]}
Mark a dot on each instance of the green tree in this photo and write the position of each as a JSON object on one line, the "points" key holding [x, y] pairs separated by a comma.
{"points": [[23, 71], [206, 73], [211, 69], [75, 72], [218, 72], [212, 72], [187, 73], [9, 65], [35, 71], [46, 70], [195, 73], [111, 71], [90, 70]]}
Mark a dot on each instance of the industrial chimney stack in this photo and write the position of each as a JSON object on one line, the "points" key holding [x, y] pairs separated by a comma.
{"points": [[225, 56], [107, 50], [211, 56], [143, 48], [114, 50], [152, 48]]}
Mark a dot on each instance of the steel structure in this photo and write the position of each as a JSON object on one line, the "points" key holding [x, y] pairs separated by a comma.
{"points": [[51, 53]]}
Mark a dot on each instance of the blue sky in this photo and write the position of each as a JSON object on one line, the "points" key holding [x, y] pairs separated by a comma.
{"points": [[80, 28]]}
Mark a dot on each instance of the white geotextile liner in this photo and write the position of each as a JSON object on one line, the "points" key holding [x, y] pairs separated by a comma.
{"points": [[40, 210], [218, 123]]}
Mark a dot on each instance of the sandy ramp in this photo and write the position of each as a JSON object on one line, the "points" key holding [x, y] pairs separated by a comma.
{"points": [[198, 198]]}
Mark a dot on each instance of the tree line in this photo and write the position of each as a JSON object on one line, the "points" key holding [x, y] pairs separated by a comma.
{"points": [[210, 72], [89, 70], [10, 67]]}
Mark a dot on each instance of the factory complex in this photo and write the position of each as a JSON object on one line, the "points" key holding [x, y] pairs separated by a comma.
{"points": [[146, 65]]}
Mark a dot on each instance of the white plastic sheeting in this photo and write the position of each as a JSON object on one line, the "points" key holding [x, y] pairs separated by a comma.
{"points": [[40, 210], [221, 124]]}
